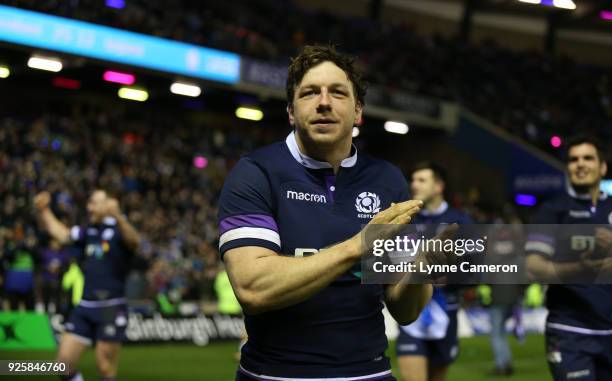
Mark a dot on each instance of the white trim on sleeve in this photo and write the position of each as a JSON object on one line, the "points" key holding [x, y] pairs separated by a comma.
{"points": [[250, 232]]}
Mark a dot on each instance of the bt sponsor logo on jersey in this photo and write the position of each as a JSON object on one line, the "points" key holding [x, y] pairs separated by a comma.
{"points": [[301, 252], [367, 204], [97, 249], [582, 242], [304, 252], [303, 196]]}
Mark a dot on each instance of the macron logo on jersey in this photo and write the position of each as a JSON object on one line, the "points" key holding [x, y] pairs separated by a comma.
{"points": [[303, 196]]}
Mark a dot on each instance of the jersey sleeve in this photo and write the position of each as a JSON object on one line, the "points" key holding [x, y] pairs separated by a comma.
{"points": [[541, 234], [246, 216]]}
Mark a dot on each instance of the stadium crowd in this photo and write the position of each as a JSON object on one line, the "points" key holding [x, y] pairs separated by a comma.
{"points": [[149, 166], [513, 90]]}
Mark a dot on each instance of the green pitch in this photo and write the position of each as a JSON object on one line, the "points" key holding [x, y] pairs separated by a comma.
{"points": [[216, 362]]}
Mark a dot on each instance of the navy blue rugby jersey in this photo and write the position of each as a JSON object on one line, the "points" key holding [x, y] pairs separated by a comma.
{"points": [[585, 308], [104, 262], [280, 199], [442, 216]]}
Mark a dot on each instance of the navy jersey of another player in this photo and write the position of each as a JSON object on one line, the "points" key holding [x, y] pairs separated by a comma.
{"points": [[442, 216], [104, 261], [577, 308], [282, 200]]}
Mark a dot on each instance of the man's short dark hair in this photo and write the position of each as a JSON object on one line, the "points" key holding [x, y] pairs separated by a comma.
{"points": [[585, 139], [439, 173], [313, 55]]}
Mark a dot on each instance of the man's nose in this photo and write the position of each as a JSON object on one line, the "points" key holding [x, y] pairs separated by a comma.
{"points": [[324, 98]]}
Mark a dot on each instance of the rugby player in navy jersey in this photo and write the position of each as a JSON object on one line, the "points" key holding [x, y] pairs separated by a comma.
{"points": [[427, 347], [106, 244], [579, 323], [290, 215]]}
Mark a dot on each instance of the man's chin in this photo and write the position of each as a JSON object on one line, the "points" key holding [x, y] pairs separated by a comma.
{"points": [[325, 137], [583, 186]]}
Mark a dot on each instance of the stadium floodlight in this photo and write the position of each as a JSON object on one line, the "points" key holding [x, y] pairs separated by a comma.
{"points": [[42, 63], [530, 1], [249, 113], [396, 127], [186, 89], [606, 15], [356, 132], [565, 4], [4, 72], [119, 77], [133, 94]]}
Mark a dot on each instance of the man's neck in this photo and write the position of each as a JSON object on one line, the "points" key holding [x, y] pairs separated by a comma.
{"points": [[434, 204], [332, 154], [593, 192]]}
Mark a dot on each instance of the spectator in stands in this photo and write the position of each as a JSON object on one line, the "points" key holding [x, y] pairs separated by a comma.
{"points": [[54, 261], [511, 89]]}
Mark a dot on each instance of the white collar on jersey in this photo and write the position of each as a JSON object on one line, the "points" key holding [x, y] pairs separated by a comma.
{"points": [[309, 162], [583, 196], [439, 210], [109, 221]]}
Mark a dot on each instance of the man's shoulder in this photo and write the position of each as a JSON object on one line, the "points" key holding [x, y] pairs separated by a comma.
{"points": [[554, 209], [270, 153], [557, 202], [607, 202], [262, 161]]}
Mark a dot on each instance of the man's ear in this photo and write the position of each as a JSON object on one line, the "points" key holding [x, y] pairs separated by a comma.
{"points": [[440, 186], [290, 114], [358, 114], [603, 169]]}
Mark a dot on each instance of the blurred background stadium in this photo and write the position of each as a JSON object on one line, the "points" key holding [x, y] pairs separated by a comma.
{"points": [[159, 104]]}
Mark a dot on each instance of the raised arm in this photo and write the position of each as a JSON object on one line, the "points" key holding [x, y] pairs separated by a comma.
{"points": [[47, 219], [130, 235]]}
